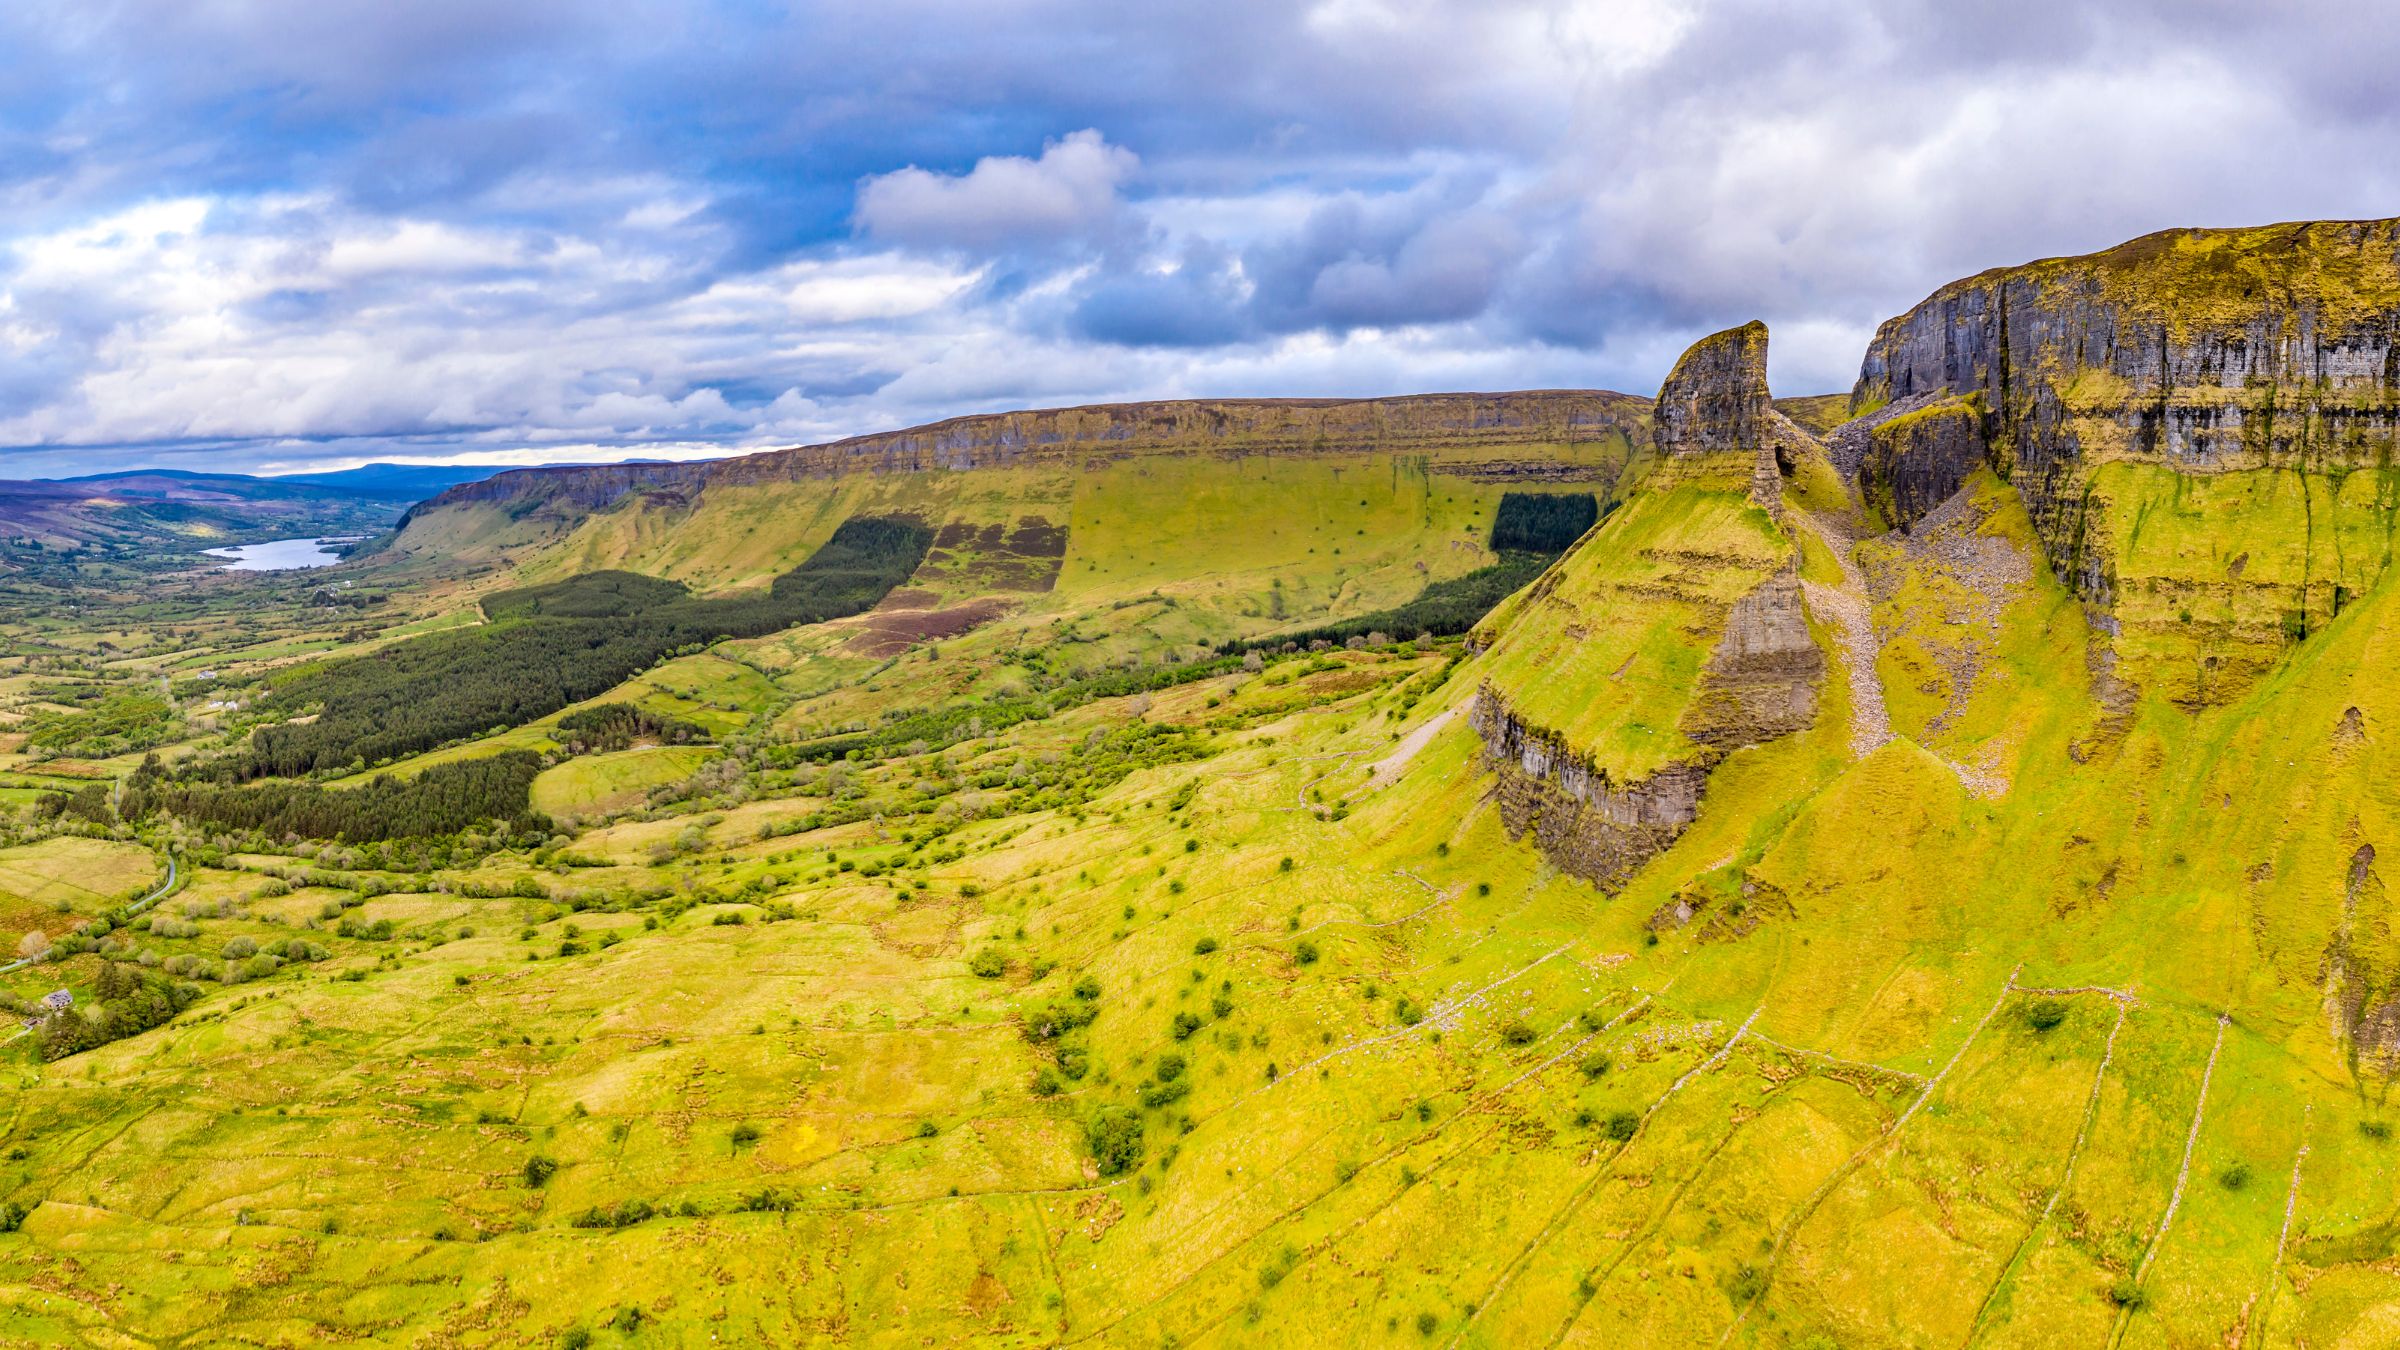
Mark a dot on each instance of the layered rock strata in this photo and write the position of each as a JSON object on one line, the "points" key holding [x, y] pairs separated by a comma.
{"points": [[2199, 350]]}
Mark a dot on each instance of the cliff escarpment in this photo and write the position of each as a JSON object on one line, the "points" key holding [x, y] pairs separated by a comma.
{"points": [[2201, 424], [1429, 422]]}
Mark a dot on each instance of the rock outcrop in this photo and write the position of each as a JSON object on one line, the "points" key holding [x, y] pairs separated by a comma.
{"points": [[1715, 403], [1760, 683], [1714, 427], [1716, 399], [1761, 680], [1919, 459], [1584, 822], [2201, 350]]}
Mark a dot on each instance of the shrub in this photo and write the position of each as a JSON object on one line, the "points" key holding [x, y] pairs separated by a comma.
{"points": [[1595, 1064], [240, 948], [2234, 1176], [576, 1338], [1427, 1323], [1184, 1025], [926, 1129], [1622, 1125], [2044, 1014], [1170, 1067], [539, 1170], [1278, 1266], [626, 1214], [2126, 1294], [12, 1217], [1115, 1136], [1305, 953], [1204, 946], [1087, 988], [1516, 1031], [1165, 1094], [989, 964], [744, 1135]]}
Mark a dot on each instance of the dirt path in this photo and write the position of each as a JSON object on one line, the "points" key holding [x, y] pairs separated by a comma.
{"points": [[1846, 608], [160, 892], [1388, 768]]}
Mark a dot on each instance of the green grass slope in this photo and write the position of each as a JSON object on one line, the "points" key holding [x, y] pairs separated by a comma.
{"points": [[1012, 968]]}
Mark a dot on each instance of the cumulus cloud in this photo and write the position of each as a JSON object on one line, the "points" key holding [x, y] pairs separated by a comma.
{"points": [[266, 231], [1066, 195]]}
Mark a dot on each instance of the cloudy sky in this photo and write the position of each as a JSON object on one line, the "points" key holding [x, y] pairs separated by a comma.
{"points": [[267, 234]]}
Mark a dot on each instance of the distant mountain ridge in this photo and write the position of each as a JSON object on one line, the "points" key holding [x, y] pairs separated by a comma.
{"points": [[137, 510]]}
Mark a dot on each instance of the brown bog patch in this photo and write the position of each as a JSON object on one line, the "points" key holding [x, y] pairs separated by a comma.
{"points": [[905, 598], [996, 557], [888, 632]]}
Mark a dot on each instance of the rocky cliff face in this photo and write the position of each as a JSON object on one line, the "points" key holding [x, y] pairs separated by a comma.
{"points": [[1715, 405], [1716, 399], [1583, 822], [1761, 680], [2200, 350], [1917, 460]]}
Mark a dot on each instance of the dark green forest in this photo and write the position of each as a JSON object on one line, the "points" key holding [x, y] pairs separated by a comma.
{"points": [[549, 646], [614, 726], [444, 799]]}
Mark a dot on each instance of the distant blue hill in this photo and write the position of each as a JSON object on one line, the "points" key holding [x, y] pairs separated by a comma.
{"points": [[401, 483]]}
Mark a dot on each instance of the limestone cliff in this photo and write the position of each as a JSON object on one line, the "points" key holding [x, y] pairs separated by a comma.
{"points": [[1715, 404], [1915, 461], [2106, 385], [1716, 398]]}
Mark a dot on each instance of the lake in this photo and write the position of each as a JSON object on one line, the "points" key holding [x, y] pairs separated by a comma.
{"points": [[278, 555]]}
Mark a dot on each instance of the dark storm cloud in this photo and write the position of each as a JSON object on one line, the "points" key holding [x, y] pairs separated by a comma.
{"points": [[275, 231]]}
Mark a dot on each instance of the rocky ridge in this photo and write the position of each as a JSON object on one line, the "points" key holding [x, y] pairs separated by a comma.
{"points": [[1112, 431], [1764, 670]]}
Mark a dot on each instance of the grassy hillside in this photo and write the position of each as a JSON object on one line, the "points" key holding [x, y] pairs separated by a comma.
{"points": [[1766, 928]]}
